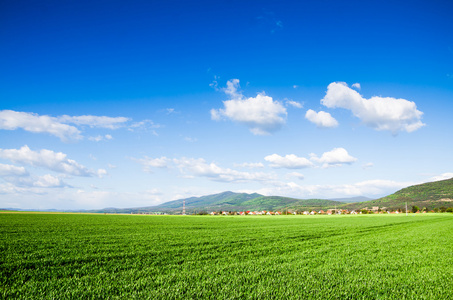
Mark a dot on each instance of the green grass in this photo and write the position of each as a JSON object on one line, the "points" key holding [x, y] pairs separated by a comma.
{"points": [[254, 257]]}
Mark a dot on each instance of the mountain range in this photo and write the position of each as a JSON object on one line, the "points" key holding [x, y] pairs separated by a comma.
{"points": [[430, 195]]}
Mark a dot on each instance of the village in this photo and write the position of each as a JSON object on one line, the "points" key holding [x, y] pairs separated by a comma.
{"points": [[373, 210]]}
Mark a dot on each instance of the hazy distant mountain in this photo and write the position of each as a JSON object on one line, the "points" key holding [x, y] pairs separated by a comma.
{"points": [[352, 199]]}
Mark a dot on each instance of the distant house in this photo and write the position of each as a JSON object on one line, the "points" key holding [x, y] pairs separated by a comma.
{"points": [[269, 213], [213, 213], [278, 213], [321, 212], [306, 212], [353, 212]]}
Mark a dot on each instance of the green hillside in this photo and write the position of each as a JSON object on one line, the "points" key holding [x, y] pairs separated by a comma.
{"points": [[229, 201], [430, 195], [281, 203]]}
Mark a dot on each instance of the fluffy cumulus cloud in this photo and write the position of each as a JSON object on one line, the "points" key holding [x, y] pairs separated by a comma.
{"points": [[380, 113], [322, 119], [289, 161], [48, 159], [261, 114], [335, 157]]}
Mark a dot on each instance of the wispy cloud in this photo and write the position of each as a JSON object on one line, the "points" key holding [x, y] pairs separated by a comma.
{"points": [[57, 126], [294, 104], [12, 120], [99, 138], [289, 161]]}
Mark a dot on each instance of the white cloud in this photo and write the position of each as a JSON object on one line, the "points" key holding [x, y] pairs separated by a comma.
{"points": [[335, 157], [356, 86], [322, 119], [367, 165], [55, 161], [289, 161], [49, 181], [57, 126], [250, 165], [443, 176], [199, 167], [11, 170], [101, 173], [261, 114], [19, 176], [294, 103], [190, 140], [297, 175], [12, 120], [94, 121], [100, 138], [377, 112], [145, 124], [149, 163]]}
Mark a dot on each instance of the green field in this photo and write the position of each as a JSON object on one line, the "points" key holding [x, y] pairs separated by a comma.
{"points": [[239, 257]]}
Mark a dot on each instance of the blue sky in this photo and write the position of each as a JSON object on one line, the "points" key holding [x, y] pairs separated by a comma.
{"points": [[125, 104]]}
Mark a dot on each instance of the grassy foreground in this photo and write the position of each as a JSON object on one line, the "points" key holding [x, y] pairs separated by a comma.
{"points": [[170, 257]]}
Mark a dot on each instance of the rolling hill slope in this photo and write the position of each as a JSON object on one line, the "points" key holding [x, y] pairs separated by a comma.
{"points": [[431, 195]]}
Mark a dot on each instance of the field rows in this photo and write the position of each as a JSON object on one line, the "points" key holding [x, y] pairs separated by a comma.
{"points": [[318, 257]]}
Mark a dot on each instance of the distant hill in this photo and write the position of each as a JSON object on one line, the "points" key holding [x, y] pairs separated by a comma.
{"points": [[430, 195], [211, 201], [230, 201]]}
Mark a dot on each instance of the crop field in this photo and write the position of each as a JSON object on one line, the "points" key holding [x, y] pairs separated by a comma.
{"points": [[64, 256]]}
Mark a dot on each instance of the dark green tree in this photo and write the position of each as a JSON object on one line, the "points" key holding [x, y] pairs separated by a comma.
{"points": [[415, 208]]}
